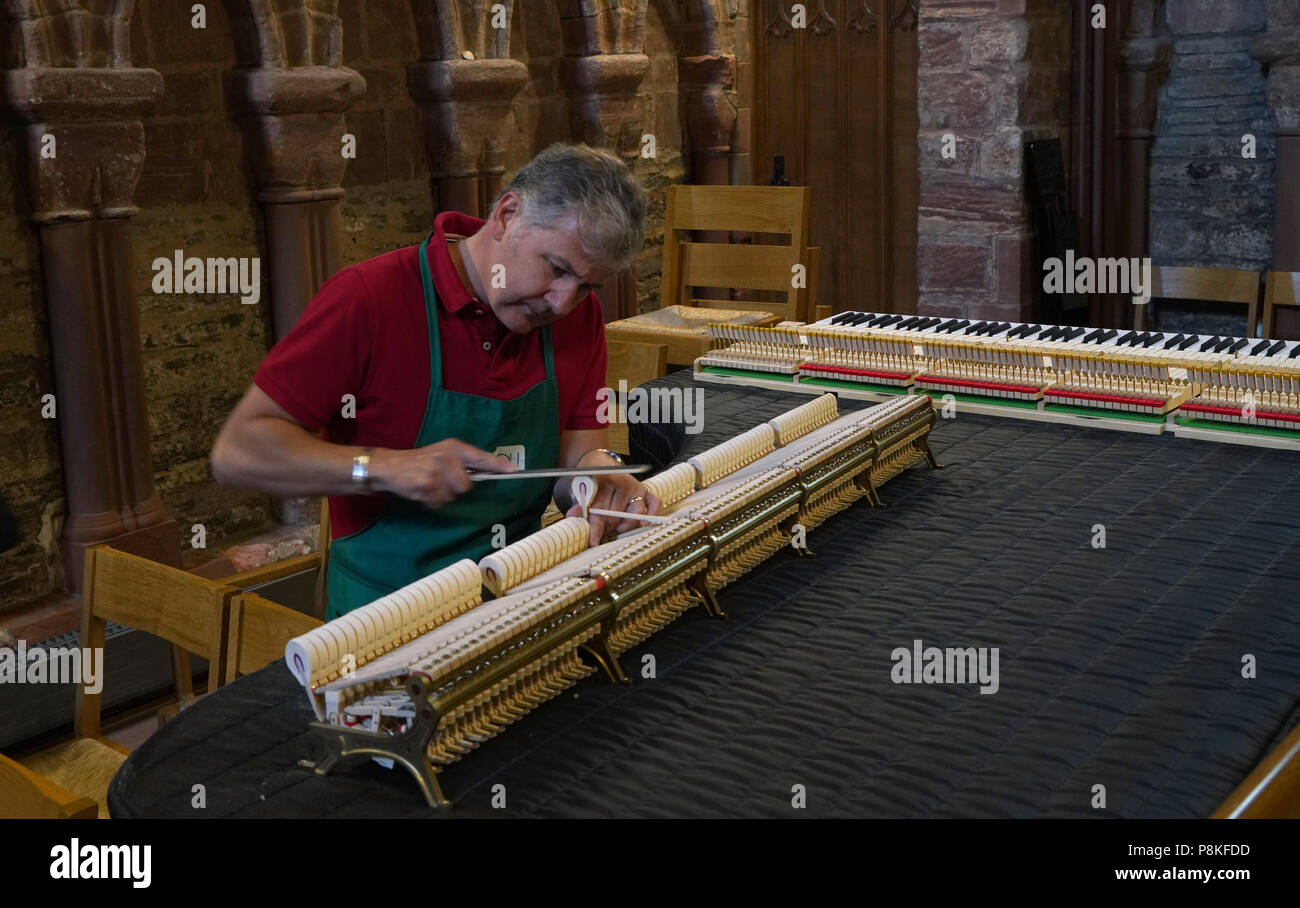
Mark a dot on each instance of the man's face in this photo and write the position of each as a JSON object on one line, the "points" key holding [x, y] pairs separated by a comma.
{"points": [[547, 275]]}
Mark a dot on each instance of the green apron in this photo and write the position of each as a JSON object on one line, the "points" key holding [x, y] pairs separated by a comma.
{"points": [[409, 540]]}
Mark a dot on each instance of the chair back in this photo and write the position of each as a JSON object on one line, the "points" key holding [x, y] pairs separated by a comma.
{"points": [[259, 630], [1216, 285], [689, 264], [1281, 288], [188, 611]]}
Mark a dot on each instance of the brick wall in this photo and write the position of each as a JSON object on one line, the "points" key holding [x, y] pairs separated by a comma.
{"points": [[994, 75]]}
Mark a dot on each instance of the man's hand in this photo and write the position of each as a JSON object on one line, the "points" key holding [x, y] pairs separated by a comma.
{"points": [[435, 474], [614, 492]]}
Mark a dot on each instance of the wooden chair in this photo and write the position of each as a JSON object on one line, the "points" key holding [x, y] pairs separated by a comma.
{"points": [[732, 266], [636, 364], [190, 612], [1281, 288], [690, 265], [259, 629], [24, 795], [318, 561], [1219, 285]]}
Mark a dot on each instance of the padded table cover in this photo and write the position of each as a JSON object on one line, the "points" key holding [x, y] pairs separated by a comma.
{"points": [[1119, 666]]}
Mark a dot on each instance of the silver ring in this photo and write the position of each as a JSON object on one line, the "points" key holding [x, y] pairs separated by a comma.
{"points": [[638, 498]]}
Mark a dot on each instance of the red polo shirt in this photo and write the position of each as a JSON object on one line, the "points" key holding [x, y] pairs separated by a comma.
{"points": [[365, 333]]}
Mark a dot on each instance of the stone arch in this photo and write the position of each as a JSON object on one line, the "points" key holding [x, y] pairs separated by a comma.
{"points": [[63, 35], [282, 34], [448, 28]]}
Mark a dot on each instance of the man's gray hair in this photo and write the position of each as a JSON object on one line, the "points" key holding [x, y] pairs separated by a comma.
{"points": [[592, 184]]}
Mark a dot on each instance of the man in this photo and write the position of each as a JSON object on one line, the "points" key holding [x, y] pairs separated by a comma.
{"points": [[427, 362]]}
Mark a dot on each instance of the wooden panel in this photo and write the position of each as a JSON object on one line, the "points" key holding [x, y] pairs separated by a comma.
{"points": [[904, 177], [763, 209], [259, 630], [1222, 285], [735, 265], [838, 100], [25, 795]]}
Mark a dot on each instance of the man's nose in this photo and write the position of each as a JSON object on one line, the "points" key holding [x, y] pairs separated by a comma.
{"points": [[563, 299]]}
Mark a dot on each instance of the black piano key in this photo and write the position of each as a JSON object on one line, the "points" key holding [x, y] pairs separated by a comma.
{"points": [[946, 326], [842, 317], [1174, 341], [1259, 348], [1092, 336], [1051, 332], [1238, 344], [976, 328], [1223, 345], [873, 322], [1190, 341], [1108, 334], [1152, 338], [1277, 348], [1124, 339], [1295, 351]]}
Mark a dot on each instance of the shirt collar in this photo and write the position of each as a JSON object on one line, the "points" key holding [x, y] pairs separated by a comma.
{"points": [[452, 292]]}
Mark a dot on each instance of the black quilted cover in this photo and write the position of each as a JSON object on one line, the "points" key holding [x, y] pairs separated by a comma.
{"points": [[1119, 667]]}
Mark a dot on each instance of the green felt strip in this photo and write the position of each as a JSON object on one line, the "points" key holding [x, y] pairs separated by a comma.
{"points": [[746, 373], [1236, 427]]}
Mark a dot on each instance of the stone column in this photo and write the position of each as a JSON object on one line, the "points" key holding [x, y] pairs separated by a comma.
{"points": [[293, 123], [82, 148]]}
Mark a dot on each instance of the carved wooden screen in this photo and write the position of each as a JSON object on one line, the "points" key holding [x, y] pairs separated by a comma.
{"points": [[837, 98]]}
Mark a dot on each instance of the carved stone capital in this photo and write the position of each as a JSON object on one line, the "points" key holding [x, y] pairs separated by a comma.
{"points": [[81, 137], [465, 109], [295, 128], [604, 106]]}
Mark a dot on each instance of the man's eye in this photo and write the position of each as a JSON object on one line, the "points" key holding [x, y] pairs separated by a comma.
{"points": [[557, 270]]}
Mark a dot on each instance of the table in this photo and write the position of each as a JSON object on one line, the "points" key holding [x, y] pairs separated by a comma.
{"points": [[1118, 666]]}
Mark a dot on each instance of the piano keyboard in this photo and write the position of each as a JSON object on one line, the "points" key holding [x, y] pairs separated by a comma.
{"points": [[1236, 389]]}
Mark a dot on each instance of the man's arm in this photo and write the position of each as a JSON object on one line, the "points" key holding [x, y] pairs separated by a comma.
{"points": [[262, 447]]}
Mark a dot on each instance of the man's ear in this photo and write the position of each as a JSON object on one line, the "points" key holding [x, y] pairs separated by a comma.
{"points": [[506, 211]]}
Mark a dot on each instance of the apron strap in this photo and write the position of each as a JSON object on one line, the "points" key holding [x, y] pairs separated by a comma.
{"points": [[431, 313]]}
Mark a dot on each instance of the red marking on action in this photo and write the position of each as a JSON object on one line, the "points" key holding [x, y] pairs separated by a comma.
{"points": [[845, 370], [600, 583], [1113, 398], [1229, 411], [967, 383]]}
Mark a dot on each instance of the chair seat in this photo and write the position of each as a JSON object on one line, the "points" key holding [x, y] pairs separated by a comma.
{"points": [[683, 329], [84, 766]]}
